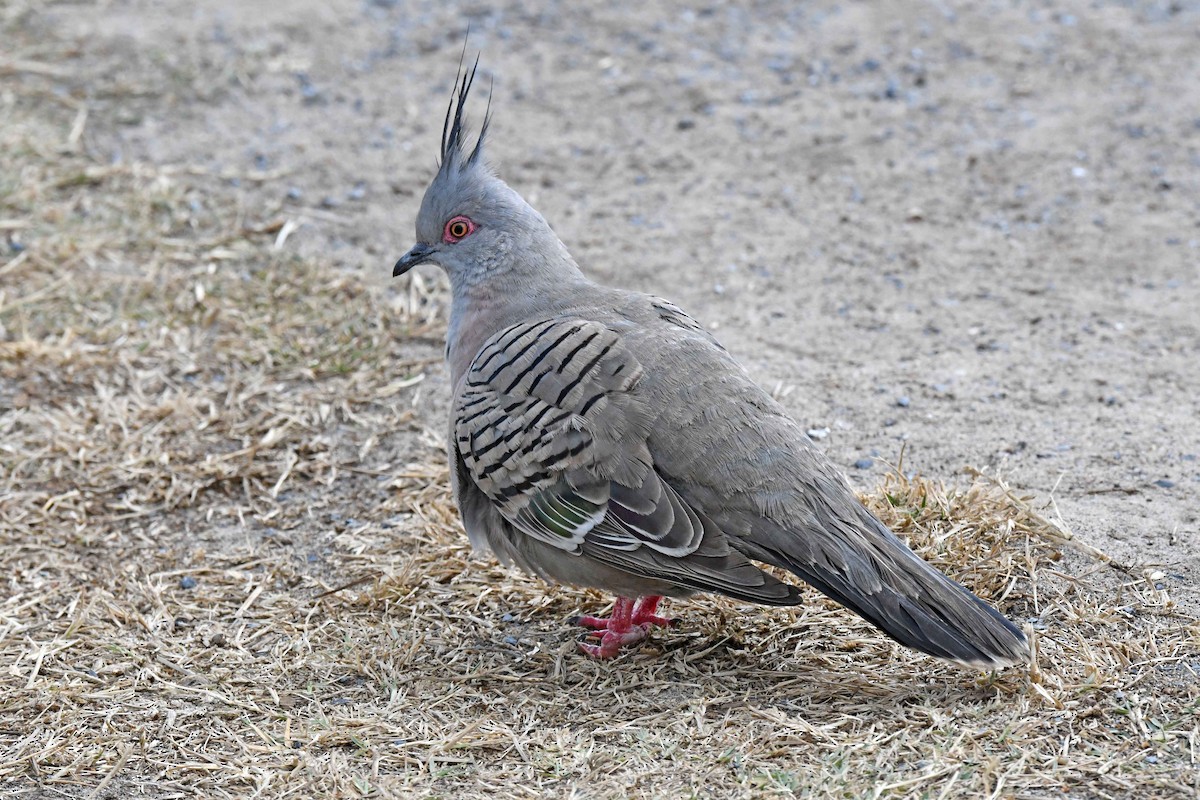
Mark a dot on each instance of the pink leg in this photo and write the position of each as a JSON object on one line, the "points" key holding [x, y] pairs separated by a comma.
{"points": [[630, 621], [644, 613]]}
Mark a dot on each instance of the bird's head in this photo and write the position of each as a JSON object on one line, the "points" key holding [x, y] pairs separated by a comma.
{"points": [[471, 223]]}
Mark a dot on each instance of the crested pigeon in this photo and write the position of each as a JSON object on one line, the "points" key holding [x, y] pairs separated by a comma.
{"points": [[603, 438]]}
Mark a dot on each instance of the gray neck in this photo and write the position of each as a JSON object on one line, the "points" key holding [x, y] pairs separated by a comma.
{"points": [[504, 296]]}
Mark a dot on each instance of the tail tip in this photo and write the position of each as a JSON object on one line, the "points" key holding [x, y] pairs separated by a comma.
{"points": [[1015, 654]]}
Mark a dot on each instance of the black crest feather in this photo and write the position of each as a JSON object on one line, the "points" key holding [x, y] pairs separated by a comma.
{"points": [[453, 146]]}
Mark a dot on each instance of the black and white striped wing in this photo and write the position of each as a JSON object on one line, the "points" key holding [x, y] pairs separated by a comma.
{"points": [[550, 426]]}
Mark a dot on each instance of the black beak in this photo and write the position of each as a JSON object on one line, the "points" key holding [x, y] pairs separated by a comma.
{"points": [[419, 253]]}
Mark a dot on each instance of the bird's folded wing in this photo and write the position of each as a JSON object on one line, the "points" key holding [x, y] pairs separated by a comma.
{"points": [[550, 427]]}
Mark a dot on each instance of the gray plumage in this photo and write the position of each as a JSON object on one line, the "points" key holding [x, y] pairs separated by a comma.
{"points": [[603, 438]]}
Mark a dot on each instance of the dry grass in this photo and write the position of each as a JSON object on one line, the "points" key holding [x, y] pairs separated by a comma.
{"points": [[202, 439]]}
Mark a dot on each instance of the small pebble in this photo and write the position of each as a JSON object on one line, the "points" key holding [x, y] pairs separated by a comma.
{"points": [[187, 582], [508, 618], [310, 94], [818, 433], [1163, 483], [510, 640], [863, 463], [903, 402]]}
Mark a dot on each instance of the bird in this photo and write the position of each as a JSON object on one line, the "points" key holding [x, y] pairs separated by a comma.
{"points": [[603, 438]]}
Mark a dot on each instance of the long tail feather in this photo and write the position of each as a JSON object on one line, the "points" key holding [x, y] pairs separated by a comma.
{"points": [[900, 593]]}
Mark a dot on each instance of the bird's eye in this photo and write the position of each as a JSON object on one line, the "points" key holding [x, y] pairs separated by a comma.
{"points": [[457, 228]]}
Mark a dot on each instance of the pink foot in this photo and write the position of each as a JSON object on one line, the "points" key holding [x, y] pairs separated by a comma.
{"points": [[631, 620]]}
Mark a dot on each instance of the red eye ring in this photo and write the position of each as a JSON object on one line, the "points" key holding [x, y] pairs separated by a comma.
{"points": [[457, 228]]}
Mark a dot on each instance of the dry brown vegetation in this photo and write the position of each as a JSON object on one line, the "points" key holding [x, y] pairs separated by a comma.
{"points": [[215, 585]]}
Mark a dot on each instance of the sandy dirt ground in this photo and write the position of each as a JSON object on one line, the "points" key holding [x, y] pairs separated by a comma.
{"points": [[967, 235]]}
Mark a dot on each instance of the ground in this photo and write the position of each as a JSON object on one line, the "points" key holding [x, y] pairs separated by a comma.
{"points": [[960, 242]]}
